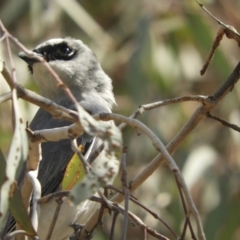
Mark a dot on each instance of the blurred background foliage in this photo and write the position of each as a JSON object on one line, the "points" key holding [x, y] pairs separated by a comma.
{"points": [[153, 50]]}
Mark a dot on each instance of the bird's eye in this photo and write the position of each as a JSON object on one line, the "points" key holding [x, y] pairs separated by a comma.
{"points": [[65, 51]]}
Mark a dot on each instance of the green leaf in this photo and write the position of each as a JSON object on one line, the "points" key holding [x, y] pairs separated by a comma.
{"points": [[19, 212], [74, 173], [17, 155]]}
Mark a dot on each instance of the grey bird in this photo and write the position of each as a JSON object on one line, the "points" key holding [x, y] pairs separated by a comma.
{"points": [[79, 69]]}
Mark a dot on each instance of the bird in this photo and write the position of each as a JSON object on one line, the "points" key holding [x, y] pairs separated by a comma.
{"points": [[79, 69]]}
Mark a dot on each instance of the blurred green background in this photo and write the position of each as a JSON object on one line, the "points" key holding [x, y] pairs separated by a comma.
{"points": [[153, 50]]}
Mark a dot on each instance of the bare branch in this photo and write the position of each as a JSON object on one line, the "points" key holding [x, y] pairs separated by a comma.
{"points": [[151, 106], [227, 30], [5, 97], [48, 197], [114, 219], [85, 164], [133, 199], [55, 134], [14, 233], [59, 202], [224, 122], [119, 209], [125, 189]]}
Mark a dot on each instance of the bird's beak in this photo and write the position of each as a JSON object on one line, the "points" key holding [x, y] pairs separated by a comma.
{"points": [[29, 60]]}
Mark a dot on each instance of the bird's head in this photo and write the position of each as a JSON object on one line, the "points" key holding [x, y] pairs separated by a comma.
{"points": [[78, 68]]}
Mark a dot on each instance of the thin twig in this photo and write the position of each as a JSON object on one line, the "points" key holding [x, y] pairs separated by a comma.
{"points": [[7, 76], [145, 234], [185, 210], [133, 199], [48, 197], [141, 224], [184, 228], [95, 154], [3, 37], [125, 189], [14, 233], [215, 44], [85, 164], [100, 223], [9, 53], [215, 18], [55, 134], [59, 202], [150, 106], [5, 97], [114, 218], [225, 29], [224, 122], [120, 209]]}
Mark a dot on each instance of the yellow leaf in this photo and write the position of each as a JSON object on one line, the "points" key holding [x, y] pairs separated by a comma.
{"points": [[74, 172]]}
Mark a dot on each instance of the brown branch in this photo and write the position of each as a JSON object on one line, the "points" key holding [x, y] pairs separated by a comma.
{"points": [[59, 202], [7, 76], [188, 223], [133, 199], [126, 192], [114, 218], [151, 106], [11, 235], [119, 209], [215, 44], [5, 97], [224, 122], [225, 29], [48, 197]]}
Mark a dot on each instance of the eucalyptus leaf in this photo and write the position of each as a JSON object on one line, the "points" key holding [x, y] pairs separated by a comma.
{"points": [[19, 212], [74, 173], [17, 155]]}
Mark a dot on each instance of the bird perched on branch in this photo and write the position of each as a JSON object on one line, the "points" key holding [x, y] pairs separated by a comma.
{"points": [[80, 71]]}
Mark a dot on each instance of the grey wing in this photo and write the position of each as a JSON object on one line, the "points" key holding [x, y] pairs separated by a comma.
{"points": [[55, 155]]}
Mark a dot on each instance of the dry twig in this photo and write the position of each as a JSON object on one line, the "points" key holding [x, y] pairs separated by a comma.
{"points": [[224, 29]]}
